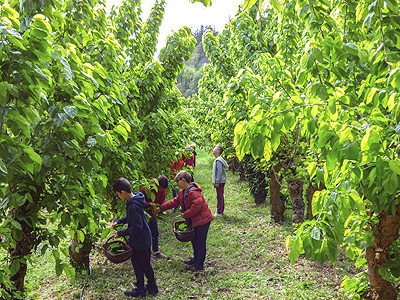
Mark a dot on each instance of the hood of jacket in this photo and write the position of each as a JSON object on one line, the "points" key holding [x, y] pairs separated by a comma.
{"points": [[137, 199], [219, 158]]}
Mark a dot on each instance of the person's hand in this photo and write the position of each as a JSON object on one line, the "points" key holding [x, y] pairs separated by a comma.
{"points": [[114, 225], [216, 185], [182, 215], [116, 235], [158, 210], [151, 203]]}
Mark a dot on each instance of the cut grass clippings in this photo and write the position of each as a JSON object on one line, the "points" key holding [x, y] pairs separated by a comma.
{"points": [[246, 259]]}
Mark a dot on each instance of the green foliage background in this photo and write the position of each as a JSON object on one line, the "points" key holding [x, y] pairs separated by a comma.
{"points": [[82, 102]]}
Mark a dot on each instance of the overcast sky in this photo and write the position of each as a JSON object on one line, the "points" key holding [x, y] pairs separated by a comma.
{"points": [[179, 13]]}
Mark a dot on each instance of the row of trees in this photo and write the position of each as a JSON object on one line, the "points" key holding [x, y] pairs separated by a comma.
{"points": [[81, 103], [309, 91]]}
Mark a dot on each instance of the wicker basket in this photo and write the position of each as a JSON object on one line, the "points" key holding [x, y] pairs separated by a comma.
{"points": [[120, 257], [182, 236]]}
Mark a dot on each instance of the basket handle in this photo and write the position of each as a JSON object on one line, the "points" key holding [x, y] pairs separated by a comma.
{"points": [[111, 237], [173, 220]]}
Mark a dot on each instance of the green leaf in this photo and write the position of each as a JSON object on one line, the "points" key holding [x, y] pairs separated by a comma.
{"points": [[395, 165], [15, 266], [312, 169], [371, 137], [275, 140], [257, 146], [256, 113], [358, 201], [16, 224], [206, 3], [275, 4], [315, 233], [71, 111], [295, 249], [33, 155], [351, 48], [248, 4], [81, 236], [122, 131], [267, 150]]}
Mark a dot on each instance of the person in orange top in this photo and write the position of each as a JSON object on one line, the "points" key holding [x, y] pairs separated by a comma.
{"points": [[176, 166]]}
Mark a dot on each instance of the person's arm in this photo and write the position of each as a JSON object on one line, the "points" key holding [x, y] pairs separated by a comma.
{"points": [[169, 204], [136, 225]]}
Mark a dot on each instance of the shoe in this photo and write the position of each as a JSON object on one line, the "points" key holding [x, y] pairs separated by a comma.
{"points": [[217, 215], [152, 259], [189, 262], [158, 254], [152, 290], [194, 268], [135, 293]]}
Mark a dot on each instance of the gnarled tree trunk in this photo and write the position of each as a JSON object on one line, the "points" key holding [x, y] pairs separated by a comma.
{"points": [[79, 253], [296, 194], [276, 202], [385, 233], [22, 249]]}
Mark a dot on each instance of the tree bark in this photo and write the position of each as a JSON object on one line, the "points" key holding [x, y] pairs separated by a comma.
{"points": [[296, 194], [22, 249], [385, 233], [80, 259], [276, 202]]}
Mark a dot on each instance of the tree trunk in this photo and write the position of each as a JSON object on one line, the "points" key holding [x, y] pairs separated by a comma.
{"points": [[310, 194], [80, 259], [385, 233], [22, 249], [296, 194], [276, 202]]}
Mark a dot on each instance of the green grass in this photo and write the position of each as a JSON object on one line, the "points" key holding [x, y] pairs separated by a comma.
{"points": [[246, 259]]}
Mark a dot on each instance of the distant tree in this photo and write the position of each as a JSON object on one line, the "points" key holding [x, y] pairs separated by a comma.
{"points": [[187, 80]]}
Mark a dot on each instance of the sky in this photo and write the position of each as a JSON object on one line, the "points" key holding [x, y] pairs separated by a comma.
{"points": [[179, 13]]}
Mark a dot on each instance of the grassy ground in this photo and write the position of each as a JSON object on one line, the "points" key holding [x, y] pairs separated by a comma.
{"points": [[246, 259]]}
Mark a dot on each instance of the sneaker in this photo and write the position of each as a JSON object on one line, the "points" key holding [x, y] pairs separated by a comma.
{"points": [[152, 259], [217, 215], [152, 290], [189, 262], [135, 293], [158, 254]]}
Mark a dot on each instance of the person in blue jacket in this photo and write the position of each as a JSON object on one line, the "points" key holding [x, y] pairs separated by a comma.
{"points": [[139, 238]]}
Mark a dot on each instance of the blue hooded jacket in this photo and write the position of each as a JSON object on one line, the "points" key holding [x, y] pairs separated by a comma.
{"points": [[138, 230]]}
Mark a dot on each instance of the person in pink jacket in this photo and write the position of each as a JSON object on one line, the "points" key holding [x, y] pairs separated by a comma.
{"points": [[196, 211]]}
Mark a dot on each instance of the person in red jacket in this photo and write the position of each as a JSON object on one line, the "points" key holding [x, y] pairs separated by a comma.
{"points": [[196, 211], [157, 188]]}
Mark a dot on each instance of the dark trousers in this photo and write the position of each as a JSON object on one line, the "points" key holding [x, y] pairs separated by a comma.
{"points": [[199, 244], [153, 225], [220, 198], [142, 266]]}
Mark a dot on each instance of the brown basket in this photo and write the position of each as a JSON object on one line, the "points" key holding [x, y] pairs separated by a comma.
{"points": [[120, 257], [182, 236]]}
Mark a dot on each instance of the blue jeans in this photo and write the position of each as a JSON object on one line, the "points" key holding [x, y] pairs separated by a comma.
{"points": [[199, 244], [153, 225]]}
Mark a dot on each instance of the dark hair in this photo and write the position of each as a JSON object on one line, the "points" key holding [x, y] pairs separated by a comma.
{"points": [[162, 181], [183, 174], [122, 184], [220, 148]]}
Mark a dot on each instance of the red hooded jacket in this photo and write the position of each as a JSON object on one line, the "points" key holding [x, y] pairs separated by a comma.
{"points": [[197, 208]]}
